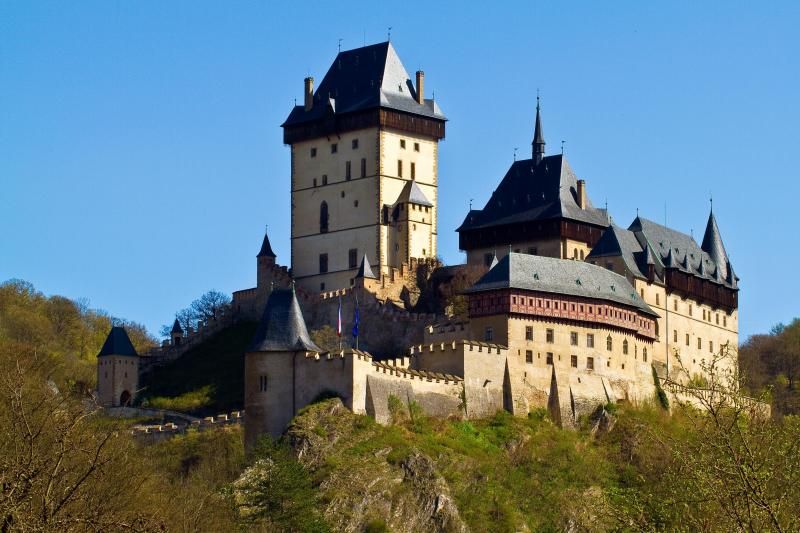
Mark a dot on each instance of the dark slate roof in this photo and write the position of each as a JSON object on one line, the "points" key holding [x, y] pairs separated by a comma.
{"points": [[117, 343], [365, 270], [176, 327], [361, 79], [561, 276], [712, 245], [618, 241], [282, 327], [412, 194], [538, 132], [266, 248], [531, 192], [687, 256]]}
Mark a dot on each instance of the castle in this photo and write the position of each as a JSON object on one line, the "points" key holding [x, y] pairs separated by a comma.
{"points": [[570, 310]]}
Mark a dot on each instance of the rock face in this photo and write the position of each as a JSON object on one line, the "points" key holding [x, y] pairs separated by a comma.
{"points": [[387, 484]]}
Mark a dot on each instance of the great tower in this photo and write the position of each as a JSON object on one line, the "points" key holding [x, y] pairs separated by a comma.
{"points": [[364, 149]]}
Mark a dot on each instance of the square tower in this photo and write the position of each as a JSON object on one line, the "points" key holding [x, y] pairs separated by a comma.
{"points": [[357, 144]]}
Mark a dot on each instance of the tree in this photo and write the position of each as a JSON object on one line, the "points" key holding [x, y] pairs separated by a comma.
{"points": [[209, 305], [59, 470], [738, 469]]}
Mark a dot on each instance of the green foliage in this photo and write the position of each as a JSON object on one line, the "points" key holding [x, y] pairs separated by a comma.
{"points": [[772, 363], [186, 402], [661, 396], [327, 339], [277, 491], [396, 408], [376, 525], [214, 368]]}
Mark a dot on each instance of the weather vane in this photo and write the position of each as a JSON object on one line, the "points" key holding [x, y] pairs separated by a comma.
{"points": [[340, 44]]}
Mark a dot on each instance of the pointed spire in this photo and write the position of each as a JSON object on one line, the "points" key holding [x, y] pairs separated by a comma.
{"points": [[365, 270], [266, 248], [538, 136], [282, 327], [117, 343], [712, 245], [176, 327]]}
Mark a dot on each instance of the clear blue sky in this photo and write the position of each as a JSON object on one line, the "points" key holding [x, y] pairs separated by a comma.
{"points": [[141, 154]]}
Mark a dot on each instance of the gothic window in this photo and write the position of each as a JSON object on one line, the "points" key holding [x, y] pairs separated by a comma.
{"points": [[323, 217], [609, 343], [625, 347], [323, 263]]}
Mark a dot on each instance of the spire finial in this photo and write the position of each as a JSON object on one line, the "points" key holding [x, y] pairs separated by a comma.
{"points": [[470, 204], [340, 44], [563, 142], [538, 134], [515, 153], [711, 202], [389, 34]]}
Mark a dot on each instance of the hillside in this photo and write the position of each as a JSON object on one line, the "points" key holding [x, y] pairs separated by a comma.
{"points": [[206, 379]]}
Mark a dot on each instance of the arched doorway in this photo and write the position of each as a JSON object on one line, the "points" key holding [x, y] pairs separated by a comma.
{"points": [[125, 398]]}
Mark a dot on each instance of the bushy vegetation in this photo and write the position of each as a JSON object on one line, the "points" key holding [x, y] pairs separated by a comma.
{"points": [[771, 363]]}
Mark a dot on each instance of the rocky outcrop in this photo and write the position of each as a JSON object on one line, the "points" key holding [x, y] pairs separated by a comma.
{"points": [[393, 485]]}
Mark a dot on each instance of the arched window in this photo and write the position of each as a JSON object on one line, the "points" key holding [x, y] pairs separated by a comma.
{"points": [[575, 253], [625, 347], [323, 217], [609, 343]]}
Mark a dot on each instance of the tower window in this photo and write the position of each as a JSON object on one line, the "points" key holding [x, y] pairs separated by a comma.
{"points": [[625, 347], [416, 147], [528, 333], [323, 263], [262, 383], [313, 152], [573, 361], [687, 339], [675, 304], [644, 354], [402, 143], [334, 148], [699, 343], [528, 356], [674, 335], [352, 258], [609, 343], [315, 182], [657, 302], [355, 144], [590, 340], [573, 338], [549, 358], [550, 336], [363, 167], [324, 179], [488, 334], [347, 174], [413, 170], [323, 217], [590, 363], [400, 168], [711, 346]]}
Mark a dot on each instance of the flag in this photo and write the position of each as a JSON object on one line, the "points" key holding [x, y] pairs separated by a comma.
{"points": [[355, 321], [339, 321]]}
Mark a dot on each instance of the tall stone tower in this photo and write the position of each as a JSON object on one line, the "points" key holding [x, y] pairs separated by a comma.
{"points": [[117, 370], [357, 142]]}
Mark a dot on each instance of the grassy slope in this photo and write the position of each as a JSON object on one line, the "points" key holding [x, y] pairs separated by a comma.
{"points": [[212, 371]]}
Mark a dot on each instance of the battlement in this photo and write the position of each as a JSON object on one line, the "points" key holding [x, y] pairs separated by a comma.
{"points": [[412, 374], [157, 432], [348, 352], [458, 346]]}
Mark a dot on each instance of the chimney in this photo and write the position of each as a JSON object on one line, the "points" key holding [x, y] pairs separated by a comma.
{"points": [[420, 87], [582, 194], [309, 93]]}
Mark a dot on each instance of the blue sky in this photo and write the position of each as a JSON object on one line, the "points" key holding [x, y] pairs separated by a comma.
{"points": [[141, 154]]}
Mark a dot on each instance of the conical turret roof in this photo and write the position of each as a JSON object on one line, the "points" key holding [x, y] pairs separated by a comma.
{"points": [[282, 327], [117, 343], [365, 270], [266, 248], [712, 245], [176, 327]]}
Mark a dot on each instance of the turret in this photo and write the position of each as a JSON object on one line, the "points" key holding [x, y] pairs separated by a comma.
{"points": [[117, 370], [176, 335], [265, 261], [712, 245], [538, 137]]}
